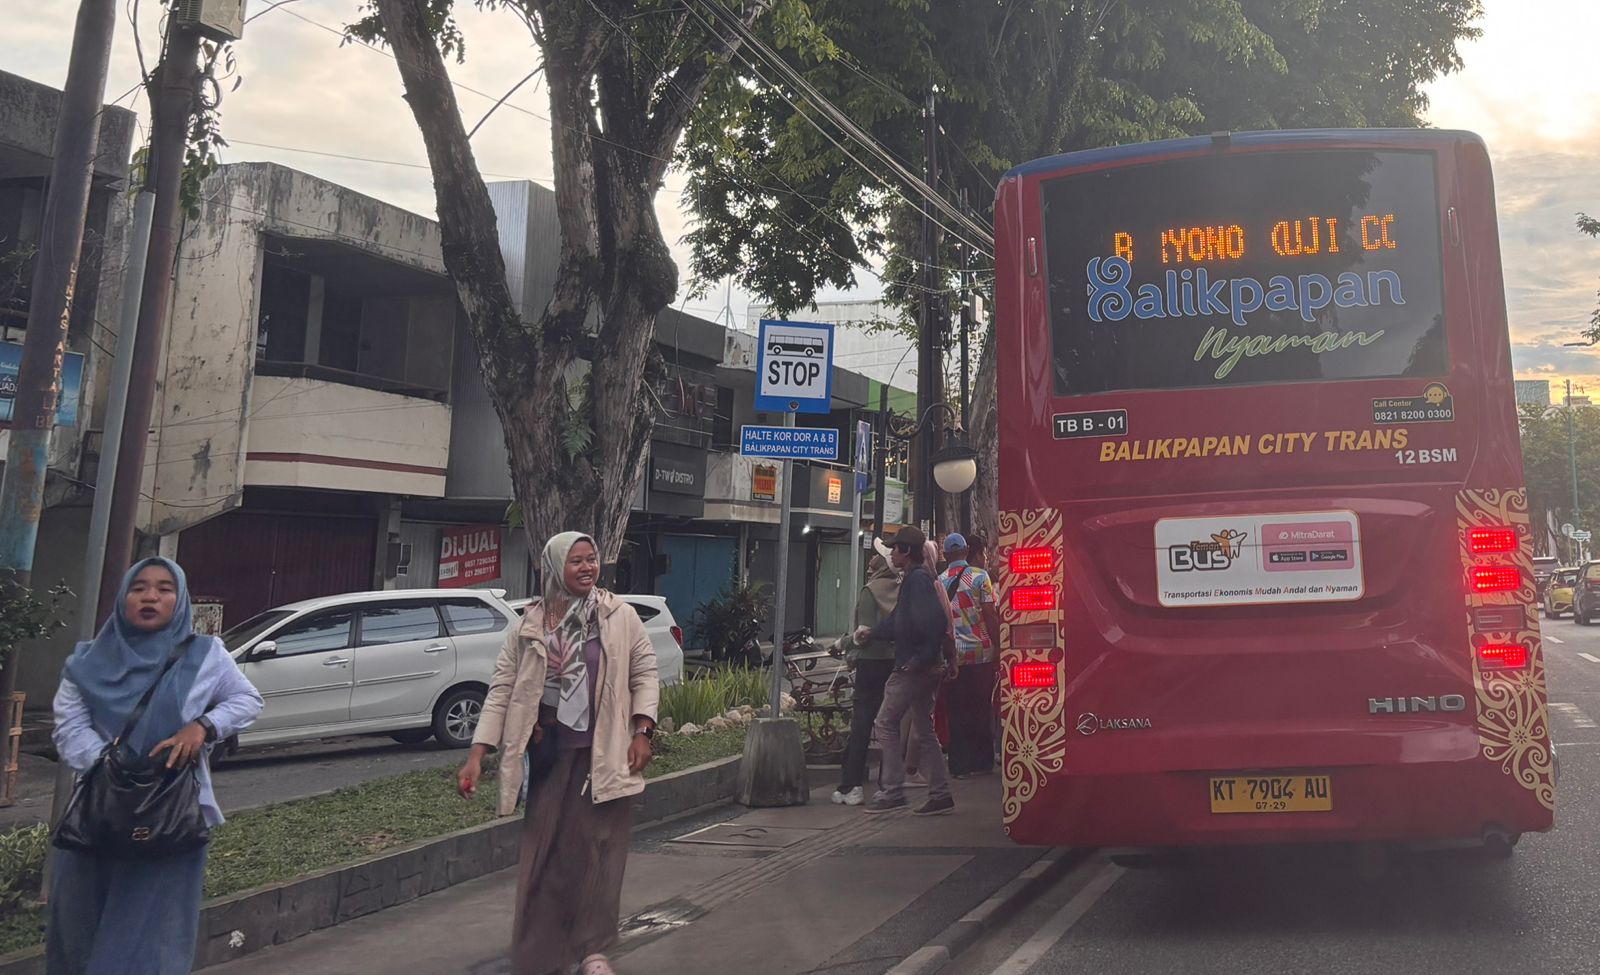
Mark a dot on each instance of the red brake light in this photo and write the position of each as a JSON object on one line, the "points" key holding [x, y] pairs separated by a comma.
{"points": [[1498, 656], [1033, 675], [1033, 599], [1482, 540], [677, 634], [1027, 561], [1496, 578]]}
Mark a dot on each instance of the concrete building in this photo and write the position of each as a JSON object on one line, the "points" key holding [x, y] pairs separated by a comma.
{"points": [[321, 424], [305, 395], [1533, 392], [28, 113]]}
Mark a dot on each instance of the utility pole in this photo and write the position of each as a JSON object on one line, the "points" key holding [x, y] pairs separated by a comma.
{"points": [[968, 295], [930, 386], [881, 461], [33, 418], [1572, 459], [177, 80]]}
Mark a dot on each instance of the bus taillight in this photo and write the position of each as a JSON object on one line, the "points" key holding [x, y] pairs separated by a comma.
{"points": [[1499, 656], [1033, 675], [1031, 561], [1496, 578], [1484, 540], [1033, 599]]}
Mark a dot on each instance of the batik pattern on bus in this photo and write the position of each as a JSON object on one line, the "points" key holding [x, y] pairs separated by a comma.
{"points": [[1035, 727], [1513, 722]]}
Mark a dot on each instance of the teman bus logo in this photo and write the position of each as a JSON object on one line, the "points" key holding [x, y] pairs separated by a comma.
{"points": [[1207, 556]]}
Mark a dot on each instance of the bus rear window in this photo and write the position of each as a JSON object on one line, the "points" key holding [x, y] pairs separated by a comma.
{"points": [[1245, 268]]}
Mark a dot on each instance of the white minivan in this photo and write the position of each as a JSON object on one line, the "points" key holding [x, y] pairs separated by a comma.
{"points": [[666, 636], [413, 664]]}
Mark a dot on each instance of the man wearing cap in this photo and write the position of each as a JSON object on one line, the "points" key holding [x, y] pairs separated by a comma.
{"points": [[917, 628], [970, 699]]}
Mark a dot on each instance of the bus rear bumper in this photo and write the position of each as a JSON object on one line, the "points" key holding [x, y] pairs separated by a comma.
{"points": [[1411, 803]]}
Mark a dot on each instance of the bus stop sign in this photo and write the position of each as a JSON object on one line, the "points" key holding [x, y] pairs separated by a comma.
{"points": [[794, 367]]}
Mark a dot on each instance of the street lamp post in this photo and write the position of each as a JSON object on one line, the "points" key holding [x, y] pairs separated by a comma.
{"points": [[954, 466]]}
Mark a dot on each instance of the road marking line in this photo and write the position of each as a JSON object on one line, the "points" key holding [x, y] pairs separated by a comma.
{"points": [[1053, 930], [1555, 639], [1590, 657]]}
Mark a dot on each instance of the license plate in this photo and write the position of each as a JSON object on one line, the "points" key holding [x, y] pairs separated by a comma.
{"points": [[1271, 794]]}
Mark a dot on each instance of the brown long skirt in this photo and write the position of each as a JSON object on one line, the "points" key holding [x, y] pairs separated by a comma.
{"points": [[569, 883]]}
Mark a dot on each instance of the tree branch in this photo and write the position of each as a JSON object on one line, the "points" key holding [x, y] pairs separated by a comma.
{"points": [[690, 80], [468, 237]]}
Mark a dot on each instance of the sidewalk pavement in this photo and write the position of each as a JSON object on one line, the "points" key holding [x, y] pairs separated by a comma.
{"points": [[36, 780], [777, 891]]}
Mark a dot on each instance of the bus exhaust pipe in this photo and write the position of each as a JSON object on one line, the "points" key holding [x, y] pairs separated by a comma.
{"points": [[1498, 842]]}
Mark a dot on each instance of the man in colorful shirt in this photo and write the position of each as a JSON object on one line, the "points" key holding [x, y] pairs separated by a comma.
{"points": [[970, 698]]}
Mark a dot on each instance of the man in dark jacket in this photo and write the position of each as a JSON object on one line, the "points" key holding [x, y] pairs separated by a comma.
{"points": [[917, 628]]}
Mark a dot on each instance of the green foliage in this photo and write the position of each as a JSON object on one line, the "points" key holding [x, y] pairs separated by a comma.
{"points": [[675, 753], [718, 622], [703, 697], [1589, 225], [693, 701], [22, 853], [781, 208], [577, 435], [23, 616], [1547, 465]]}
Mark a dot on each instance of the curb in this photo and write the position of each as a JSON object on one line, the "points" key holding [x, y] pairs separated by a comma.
{"points": [[240, 924], [964, 933]]}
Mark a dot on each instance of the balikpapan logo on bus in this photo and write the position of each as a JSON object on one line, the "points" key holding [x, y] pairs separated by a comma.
{"points": [[1211, 555]]}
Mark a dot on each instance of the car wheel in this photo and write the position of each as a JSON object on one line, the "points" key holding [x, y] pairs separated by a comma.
{"points": [[412, 736], [456, 717]]}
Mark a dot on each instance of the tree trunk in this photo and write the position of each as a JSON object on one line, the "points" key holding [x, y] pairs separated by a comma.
{"points": [[577, 445], [525, 370], [985, 435]]}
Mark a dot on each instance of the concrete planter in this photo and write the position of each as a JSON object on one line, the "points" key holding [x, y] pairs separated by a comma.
{"points": [[234, 926]]}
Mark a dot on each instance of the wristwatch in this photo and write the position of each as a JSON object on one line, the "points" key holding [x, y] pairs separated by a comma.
{"points": [[211, 729], [649, 732]]}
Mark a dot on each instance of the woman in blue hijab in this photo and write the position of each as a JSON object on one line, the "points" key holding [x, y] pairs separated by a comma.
{"points": [[139, 917]]}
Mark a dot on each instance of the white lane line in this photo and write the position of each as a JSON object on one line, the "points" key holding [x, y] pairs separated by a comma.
{"points": [[1573, 713], [1590, 657], [1554, 639], [1060, 923]]}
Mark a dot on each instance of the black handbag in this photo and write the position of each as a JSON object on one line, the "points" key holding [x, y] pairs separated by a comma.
{"points": [[542, 756], [123, 811]]}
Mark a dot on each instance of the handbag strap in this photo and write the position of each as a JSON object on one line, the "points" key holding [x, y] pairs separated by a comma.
{"points": [[144, 702]]}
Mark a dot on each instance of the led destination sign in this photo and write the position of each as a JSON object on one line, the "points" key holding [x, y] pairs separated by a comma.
{"points": [[1227, 269]]}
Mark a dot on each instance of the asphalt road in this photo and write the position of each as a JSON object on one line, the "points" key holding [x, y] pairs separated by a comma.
{"points": [[1316, 911]]}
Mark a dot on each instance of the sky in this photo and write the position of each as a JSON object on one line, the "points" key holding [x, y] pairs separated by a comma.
{"points": [[305, 99]]}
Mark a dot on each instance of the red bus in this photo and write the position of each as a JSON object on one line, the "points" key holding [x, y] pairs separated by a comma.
{"points": [[1267, 562]]}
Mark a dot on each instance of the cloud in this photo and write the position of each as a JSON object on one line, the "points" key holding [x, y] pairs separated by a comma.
{"points": [[1526, 88]]}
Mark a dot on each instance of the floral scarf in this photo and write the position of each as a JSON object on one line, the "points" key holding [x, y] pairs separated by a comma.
{"points": [[566, 686]]}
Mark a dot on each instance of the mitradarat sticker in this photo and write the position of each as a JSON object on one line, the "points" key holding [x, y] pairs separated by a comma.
{"points": [[1252, 560]]}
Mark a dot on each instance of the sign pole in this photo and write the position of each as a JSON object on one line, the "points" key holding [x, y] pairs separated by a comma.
{"points": [[785, 510], [862, 466], [794, 374]]}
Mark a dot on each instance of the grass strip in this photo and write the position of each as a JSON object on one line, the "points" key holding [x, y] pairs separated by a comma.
{"points": [[275, 843]]}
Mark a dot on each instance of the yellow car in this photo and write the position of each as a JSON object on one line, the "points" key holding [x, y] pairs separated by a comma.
{"points": [[1558, 592]]}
